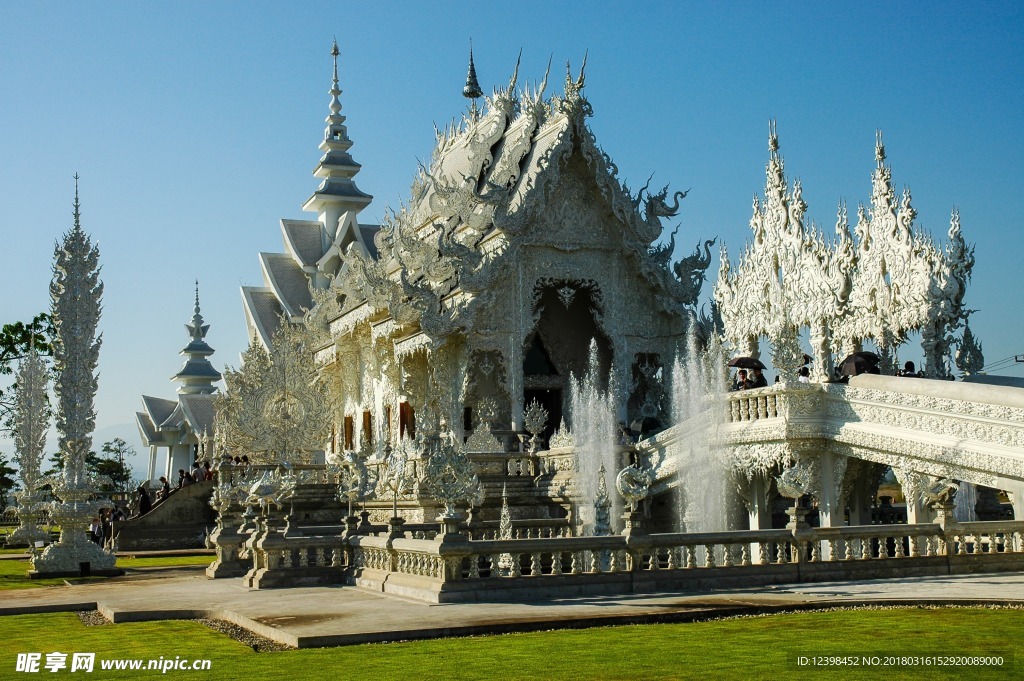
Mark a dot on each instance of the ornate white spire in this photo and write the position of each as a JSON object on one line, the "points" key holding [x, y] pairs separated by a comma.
{"points": [[337, 193], [75, 293], [31, 420], [969, 357], [198, 375]]}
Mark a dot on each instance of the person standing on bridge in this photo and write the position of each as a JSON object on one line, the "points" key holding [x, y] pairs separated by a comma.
{"points": [[741, 380]]}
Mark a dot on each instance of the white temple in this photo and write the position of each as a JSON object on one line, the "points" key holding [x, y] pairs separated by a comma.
{"points": [[521, 262], [517, 248], [180, 425]]}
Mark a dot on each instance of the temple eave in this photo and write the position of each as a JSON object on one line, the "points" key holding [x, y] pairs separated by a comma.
{"points": [[321, 198]]}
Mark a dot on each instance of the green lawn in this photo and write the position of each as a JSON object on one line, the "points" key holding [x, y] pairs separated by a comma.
{"points": [[743, 648], [164, 561], [13, 573]]}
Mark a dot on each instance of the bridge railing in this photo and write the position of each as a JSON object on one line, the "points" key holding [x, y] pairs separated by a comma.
{"points": [[461, 569], [759, 403]]}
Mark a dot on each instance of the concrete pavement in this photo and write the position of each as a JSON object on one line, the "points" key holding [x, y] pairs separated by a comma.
{"points": [[328, 616]]}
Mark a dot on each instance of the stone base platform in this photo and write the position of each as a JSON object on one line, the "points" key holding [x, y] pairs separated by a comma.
{"points": [[333, 616]]}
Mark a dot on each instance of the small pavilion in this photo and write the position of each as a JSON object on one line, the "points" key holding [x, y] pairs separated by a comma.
{"points": [[179, 425]]}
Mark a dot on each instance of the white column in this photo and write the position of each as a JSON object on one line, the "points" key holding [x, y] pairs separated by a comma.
{"points": [[1016, 495], [860, 504], [151, 473], [830, 508], [759, 514]]}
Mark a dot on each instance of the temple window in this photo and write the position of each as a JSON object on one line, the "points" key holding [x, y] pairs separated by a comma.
{"points": [[349, 434]]}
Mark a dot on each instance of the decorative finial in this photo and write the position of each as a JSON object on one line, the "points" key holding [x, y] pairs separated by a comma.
{"points": [[472, 89], [773, 137], [334, 53], [77, 213], [335, 90], [583, 70], [879, 148], [198, 328]]}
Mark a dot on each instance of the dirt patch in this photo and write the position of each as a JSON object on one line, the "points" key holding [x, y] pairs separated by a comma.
{"points": [[254, 641], [92, 618]]}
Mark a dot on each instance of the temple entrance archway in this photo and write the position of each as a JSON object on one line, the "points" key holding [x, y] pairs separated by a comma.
{"points": [[558, 349]]}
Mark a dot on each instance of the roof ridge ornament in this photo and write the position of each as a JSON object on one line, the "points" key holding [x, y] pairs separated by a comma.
{"points": [[544, 83], [472, 89], [515, 73]]}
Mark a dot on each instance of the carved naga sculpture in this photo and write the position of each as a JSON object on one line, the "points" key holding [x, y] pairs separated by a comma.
{"points": [[655, 206], [690, 270], [661, 255]]}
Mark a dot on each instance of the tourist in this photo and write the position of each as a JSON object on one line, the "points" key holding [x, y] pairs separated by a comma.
{"points": [[198, 473], [145, 504], [95, 531], [106, 528], [741, 380], [207, 471], [909, 371], [757, 379], [187, 479], [181, 478], [165, 489], [805, 375]]}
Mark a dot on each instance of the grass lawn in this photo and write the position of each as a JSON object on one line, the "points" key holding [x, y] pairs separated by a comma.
{"points": [[743, 648], [13, 572]]}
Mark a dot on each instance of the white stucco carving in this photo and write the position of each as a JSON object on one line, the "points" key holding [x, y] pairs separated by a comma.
{"points": [[880, 283]]}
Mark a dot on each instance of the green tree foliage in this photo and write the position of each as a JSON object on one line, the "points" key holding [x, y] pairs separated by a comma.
{"points": [[114, 463], [7, 482], [56, 464], [15, 341]]}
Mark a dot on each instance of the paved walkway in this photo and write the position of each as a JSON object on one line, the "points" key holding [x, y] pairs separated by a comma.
{"points": [[324, 616]]}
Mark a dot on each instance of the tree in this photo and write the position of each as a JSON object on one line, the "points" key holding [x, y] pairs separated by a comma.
{"points": [[16, 341], [56, 464], [114, 463], [7, 482]]}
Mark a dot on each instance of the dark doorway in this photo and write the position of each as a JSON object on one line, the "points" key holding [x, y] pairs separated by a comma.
{"points": [[550, 399], [406, 420]]}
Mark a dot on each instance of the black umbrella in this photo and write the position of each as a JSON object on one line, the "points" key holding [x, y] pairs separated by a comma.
{"points": [[746, 363], [860, 363]]}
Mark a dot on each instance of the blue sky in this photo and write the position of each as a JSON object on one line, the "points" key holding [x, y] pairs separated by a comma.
{"points": [[194, 127]]}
